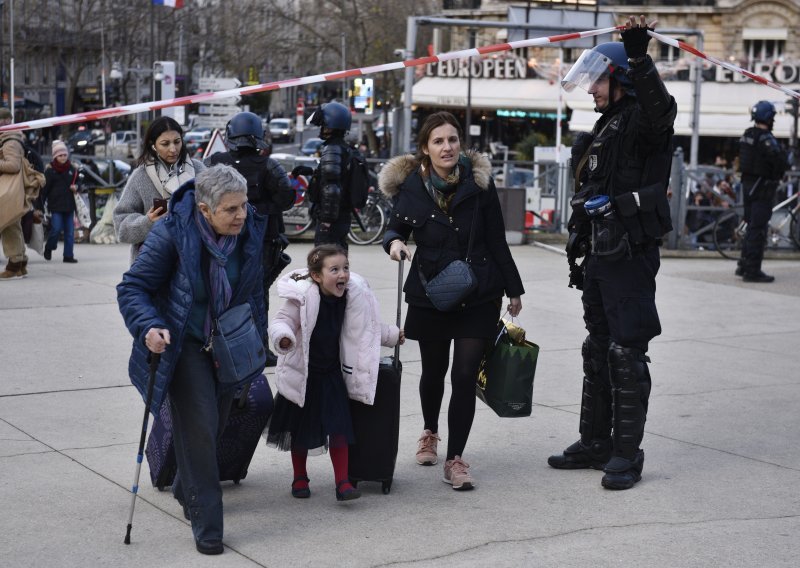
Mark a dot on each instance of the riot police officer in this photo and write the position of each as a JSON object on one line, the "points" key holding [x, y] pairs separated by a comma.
{"points": [[620, 213], [763, 163], [340, 182], [269, 190]]}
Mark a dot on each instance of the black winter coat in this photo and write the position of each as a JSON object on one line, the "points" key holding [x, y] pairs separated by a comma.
{"points": [[55, 193], [441, 238]]}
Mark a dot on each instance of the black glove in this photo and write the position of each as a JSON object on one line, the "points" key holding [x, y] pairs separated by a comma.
{"points": [[636, 40], [302, 171]]}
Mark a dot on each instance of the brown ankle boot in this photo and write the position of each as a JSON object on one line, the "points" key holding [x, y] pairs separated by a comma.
{"points": [[13, 271]]}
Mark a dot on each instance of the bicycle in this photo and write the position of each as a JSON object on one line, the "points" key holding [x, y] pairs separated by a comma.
{"points": [[730, 228], [298, 219], [369, 222]]}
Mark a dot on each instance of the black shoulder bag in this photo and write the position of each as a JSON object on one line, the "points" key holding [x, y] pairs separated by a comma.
{"points": [[456, 281]]}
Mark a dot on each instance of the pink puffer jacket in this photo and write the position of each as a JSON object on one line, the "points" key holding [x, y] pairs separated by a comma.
{"points": [[359, 346]]}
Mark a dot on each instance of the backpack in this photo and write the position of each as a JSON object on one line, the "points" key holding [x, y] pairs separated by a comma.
{"points": [[359, 180], [33, 157]]}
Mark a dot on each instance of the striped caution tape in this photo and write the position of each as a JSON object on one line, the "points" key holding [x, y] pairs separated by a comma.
{"points": [[275, 85], [338, 75], [730, 66]]}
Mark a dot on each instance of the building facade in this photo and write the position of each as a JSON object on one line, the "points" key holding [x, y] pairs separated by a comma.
{"points": [[761, 36]]}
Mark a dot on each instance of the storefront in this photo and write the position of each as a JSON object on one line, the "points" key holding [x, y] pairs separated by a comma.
{"points": [[507, 98]]}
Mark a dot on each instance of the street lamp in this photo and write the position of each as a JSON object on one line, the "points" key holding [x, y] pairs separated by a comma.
{"points": [[118, 71]]}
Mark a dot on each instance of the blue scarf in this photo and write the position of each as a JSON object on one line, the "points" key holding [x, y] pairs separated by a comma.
{"points": [[219, 248]]}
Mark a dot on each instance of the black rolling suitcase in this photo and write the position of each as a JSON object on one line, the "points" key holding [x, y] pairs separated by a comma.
{"points": [[249, 414], [377, 427]]}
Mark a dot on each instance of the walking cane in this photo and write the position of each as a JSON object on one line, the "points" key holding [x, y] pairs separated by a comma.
{"points": [[155, 358]]}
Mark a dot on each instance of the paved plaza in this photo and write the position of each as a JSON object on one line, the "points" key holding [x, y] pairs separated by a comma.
{"points": [[720, 484]]}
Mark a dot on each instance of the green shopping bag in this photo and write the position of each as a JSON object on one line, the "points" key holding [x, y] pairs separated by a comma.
{"points": [[505, 376]]}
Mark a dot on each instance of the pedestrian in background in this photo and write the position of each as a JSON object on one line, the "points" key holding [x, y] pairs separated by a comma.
{"points": [[269, 191], [620, 213], [206, 253], [441, 196], [763, 163], [12, 151], [58, 196], [329, 322], [162, 167]]}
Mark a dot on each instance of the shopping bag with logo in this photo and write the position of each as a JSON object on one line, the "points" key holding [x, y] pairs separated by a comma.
{"points": [[505, 376]]}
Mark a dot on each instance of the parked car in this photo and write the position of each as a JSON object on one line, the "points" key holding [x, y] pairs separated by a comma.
{"points": [[517, 177], [122, 144], [81, 142], [282, 129], [311, 146], [195, 139]]}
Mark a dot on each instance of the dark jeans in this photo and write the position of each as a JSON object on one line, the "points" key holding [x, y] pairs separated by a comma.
{"points": [[62, 221], [758, 212], [199, 415]]}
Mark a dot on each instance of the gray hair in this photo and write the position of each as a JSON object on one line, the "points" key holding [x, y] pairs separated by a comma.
{"points": [[214, 182]]}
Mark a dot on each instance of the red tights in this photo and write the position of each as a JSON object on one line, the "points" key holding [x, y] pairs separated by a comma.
{"points": [[338, 450]]}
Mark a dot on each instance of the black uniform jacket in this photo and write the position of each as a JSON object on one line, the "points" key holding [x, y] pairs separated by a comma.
{"points": [[442, 237]]}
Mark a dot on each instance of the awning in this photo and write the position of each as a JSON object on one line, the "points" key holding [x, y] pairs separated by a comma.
{"points": [[727, 125], [724, 108], [528, 94]]}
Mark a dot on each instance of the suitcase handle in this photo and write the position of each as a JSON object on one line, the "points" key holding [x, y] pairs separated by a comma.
{"points": [[399, 299]]}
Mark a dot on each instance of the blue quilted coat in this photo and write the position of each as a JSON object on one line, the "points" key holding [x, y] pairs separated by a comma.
{"points": [[157, 290]]}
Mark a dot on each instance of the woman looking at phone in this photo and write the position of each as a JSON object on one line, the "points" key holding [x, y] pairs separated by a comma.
{"points": [[162, 167]]}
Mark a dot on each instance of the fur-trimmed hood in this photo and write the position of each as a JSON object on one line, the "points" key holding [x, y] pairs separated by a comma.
{"points": [[395, 172]]}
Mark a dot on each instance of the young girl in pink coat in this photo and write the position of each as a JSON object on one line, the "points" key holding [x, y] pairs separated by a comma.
{"points": [[328, 338]]}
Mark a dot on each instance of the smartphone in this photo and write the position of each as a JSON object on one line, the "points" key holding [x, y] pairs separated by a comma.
{"points": [[160, 202]]}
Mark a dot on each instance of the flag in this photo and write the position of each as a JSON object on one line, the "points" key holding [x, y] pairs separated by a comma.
{"points": [[170, 3]]}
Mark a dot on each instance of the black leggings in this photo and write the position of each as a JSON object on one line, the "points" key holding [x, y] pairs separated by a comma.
{"points": [[467, 356]]}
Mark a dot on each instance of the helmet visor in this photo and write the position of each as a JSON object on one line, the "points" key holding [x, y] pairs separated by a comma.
{"points": [[587, 70]]}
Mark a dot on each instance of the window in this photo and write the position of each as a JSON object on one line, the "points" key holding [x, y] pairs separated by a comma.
{"points": [[764, 49], [669, 53]]}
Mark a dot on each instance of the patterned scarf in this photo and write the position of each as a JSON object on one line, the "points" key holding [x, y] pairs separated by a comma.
{"points": [[442, 190], [168, 178], [219, 247]]}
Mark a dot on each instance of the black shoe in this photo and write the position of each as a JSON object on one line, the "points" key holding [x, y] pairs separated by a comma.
{"points": [[272, 359], [348, 494], [622, 473], [739, 271], [758, 277], [580, 456], [209, 546], [301, 492], [70, 260], [48, 253]]}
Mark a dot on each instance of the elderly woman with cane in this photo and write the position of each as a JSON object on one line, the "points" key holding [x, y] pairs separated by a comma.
{"points": [[203, 259]]}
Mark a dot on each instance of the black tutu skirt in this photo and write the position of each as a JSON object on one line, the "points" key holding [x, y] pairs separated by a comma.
{"points": [[326, 412], [429, 324]]}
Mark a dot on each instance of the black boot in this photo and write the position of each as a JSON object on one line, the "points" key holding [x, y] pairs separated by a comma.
{"points": [[593, 450], [581, 456], [757, 277], [622, 473]]}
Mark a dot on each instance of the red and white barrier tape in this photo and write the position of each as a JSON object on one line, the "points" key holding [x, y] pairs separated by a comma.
{"points": [[275, 85], [730, 66], [338, 75]]}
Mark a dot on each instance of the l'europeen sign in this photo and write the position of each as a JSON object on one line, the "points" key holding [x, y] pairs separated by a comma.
{"points": [[777, 72], [489, 68]]}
